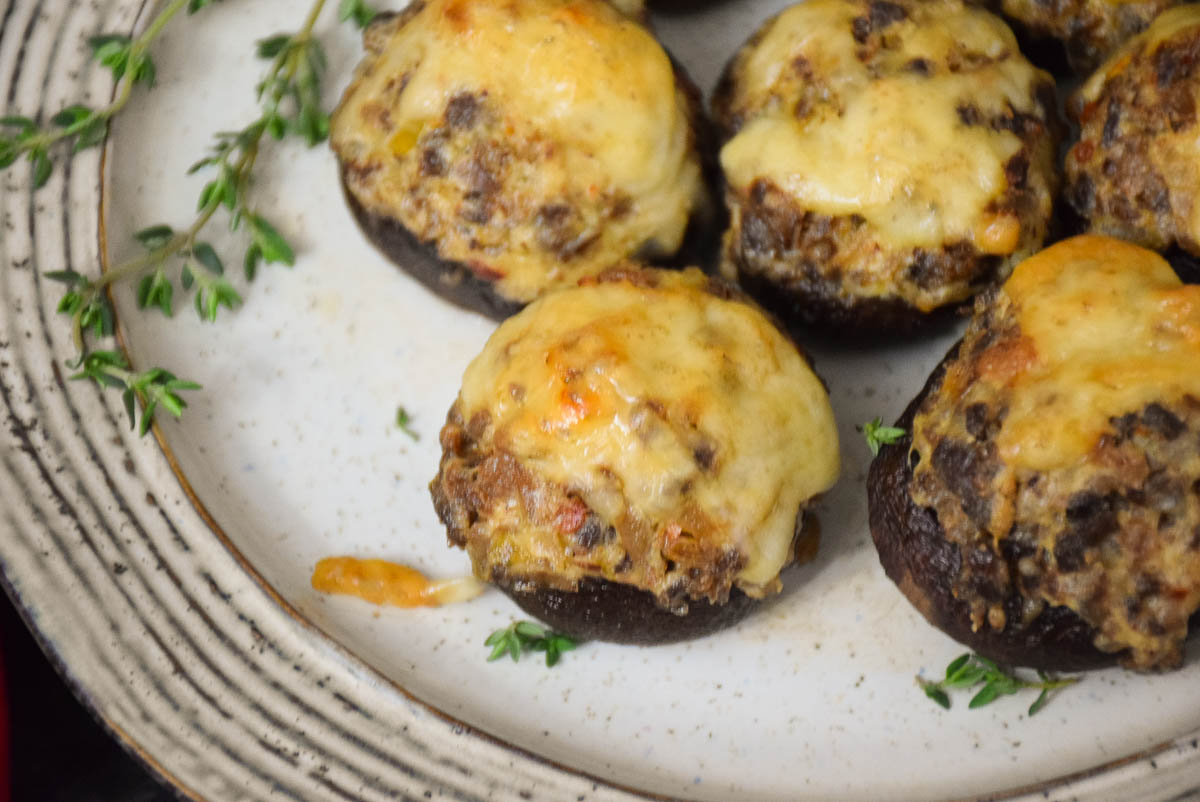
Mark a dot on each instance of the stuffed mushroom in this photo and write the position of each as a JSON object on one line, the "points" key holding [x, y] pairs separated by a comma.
{"points": [[1089, 30], [1135, 171], [499, 149], [1045, 507], [883, 160], [632, 459]]}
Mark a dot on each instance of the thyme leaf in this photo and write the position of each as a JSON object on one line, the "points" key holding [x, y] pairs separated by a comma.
{"points": [[128, 58], [356, 10], [404, 423], [877, 435]]}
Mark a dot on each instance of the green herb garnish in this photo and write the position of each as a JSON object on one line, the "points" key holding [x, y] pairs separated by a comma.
{"points": [[878, 435], [356, 10], [528, 636], [289, 105], [404, 423], [971, 670], [156, 387], [82, 126]]}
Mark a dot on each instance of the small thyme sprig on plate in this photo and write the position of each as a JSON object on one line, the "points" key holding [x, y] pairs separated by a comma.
{"points": [[289, 98], [528, 636], [971, 670], [404, 423], [877, 435]]}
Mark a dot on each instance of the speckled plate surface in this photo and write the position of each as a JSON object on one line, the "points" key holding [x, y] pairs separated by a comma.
{"points": [[170, 580]]}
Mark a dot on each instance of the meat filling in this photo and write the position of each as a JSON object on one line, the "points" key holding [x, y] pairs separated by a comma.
{"points": [[1135, 171], [523, 530], [1089, 29], [1114, 536]]}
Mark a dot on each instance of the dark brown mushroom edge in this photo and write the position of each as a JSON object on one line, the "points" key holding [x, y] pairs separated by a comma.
{"points": [[632, 459], [883, 161], [1045, 508], [497, 149], [1086, 30], [1135, 171]]}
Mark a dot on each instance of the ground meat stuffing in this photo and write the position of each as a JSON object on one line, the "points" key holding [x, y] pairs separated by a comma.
{"points": [[464, 176], [1089, 29], [1115, 537], [523, 531], [811, 256], [1135, 171]]}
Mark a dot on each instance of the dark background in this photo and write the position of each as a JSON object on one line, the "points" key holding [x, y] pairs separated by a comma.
{"points": [[57, 751]]}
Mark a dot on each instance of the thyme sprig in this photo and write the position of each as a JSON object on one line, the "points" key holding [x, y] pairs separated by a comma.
{"points": [[971, 670], [131, 65], [289, 98], [528, 636], [877, 435], [156, 387]]}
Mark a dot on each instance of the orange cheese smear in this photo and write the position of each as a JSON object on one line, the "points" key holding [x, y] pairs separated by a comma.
{"points": [[383, 582]]}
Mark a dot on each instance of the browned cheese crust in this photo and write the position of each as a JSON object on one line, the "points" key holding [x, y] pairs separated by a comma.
{"points": [[1064, 568], [823, 271], [632, 576], [1135, 171], [479, 203], [1089, 30]]}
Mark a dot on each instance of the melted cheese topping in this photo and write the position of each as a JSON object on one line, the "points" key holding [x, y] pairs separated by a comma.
{"points": [[887, 145], [615, 385], [1110, 329], [588, 106]]}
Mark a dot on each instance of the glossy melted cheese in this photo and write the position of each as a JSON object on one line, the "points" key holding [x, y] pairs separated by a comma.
{"points": [[889, 147], [592, 362], [1109, 329], [585, 94]]}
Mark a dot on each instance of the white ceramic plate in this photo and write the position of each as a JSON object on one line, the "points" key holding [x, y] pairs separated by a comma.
{"points": [[172, 584]]}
